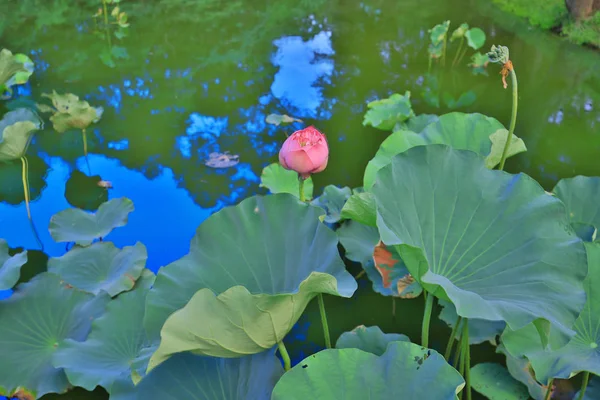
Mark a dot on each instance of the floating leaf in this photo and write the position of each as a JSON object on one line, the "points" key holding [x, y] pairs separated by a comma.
{"points": [[15, 69], [101, 267], [74, 225], [370, 339], [495, 383], [222, 160], [498, 140], [332, 201], [34, 322], [360, 207], [10, 267], [261, 261], [475, 38], [276, 119], [191, 377], [490, 242], [459, 32], [114, 343], [480, 330], [84, 191], [16, 129], [355, 374], [71, 113], [280, 180], [438, 33], [581, 196], [459, 130], [384, 114]]}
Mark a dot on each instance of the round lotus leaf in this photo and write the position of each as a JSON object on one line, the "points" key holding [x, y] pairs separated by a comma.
{"points": [[404, 371], [101, 267], [81, 227], [332, 201], [475, 38], [581, 353], [10, 266], [251, 271], [34, 323], [85, 192], [192, 377], [495, 383], [370, 339], [474, 132], [113, 345], [480, 330], [16, 129], [490, 242], [581, 196], [280, 180]]}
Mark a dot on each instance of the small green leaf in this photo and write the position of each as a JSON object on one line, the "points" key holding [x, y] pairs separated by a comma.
{"points": [[360, 207], [459, 32], [276, 119], [439, 32], [475, 38], [498, 140], [74, 225], [119, 52], [384, 114], [106, 59], [280, 180], [370, 339], [495, 383], [10, 266], [332, 201]]}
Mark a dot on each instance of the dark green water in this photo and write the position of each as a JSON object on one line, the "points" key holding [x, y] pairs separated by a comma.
{"points": [[201, 76]]}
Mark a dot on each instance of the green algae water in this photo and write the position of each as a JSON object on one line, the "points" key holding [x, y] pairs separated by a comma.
{"points": [[193, 78]]}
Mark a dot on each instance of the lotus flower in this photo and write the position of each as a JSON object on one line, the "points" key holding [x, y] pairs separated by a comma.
{"points": [[305, 152]]}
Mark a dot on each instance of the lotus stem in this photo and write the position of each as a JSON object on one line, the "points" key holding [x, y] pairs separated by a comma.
{"points": [[25, 180], [84, 136], [426, 318], [452, 337], [106, 26], [287, 363], [467, 357], [462, 357], [462, 55], [324, 321], [586, 379], [460, 46], [549, 390], [301, 188], [444, 51], [513, 117], [359, 275]]}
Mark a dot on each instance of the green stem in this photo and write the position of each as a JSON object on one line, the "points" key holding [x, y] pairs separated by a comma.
{"points": [[549, 390], [458, 356], [106, 26], [467, 357], [301, 188], [462, 55], [84, 142], [287, 363], [451, 340], [324, 321], [426, 318], [586, 379], [460, 46], [513, 117], [462, 358], [444, 51], [25, 180], [359, 275]]}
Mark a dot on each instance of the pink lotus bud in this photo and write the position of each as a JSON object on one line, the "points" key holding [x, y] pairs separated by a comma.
{"points": [[305, 152]]}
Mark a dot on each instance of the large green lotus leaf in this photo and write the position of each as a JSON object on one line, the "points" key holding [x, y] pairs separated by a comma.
{"points": [[581, 196], [15, 69], [70, 112], [370, 339], [581, 353], [192, 377], [10, 267], [34, 323], [74, 225], [495, 383], [480, 330], [114, 343], [360, 207], [280, 180], [101, 267], [404, 371], [520, 369], [416, 123], [462, 131], [332, 201], [16, 129], [384, 114], [496, 245], [276, 248]]}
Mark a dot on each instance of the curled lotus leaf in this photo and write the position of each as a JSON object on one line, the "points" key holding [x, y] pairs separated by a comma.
{"points": [[247, 279], [10, 266], [490, 242], [384, 114], [581, 196], [16, 129], [15, 69], [70, 112], [360, 207], [332, 201]]}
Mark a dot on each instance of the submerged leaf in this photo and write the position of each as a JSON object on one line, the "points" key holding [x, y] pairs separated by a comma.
{"points": [[276, 119], [34, 322], [251, 270], [384, 114], [16, 129], [405, 370], [74, 225], [280, 180], [101, 267], [370, 339], [332, 201], [495, 383], [222, 160], [10, 266], [490, 242]]}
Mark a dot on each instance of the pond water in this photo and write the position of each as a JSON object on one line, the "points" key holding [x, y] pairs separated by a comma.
{"points": [[201, 77]]}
